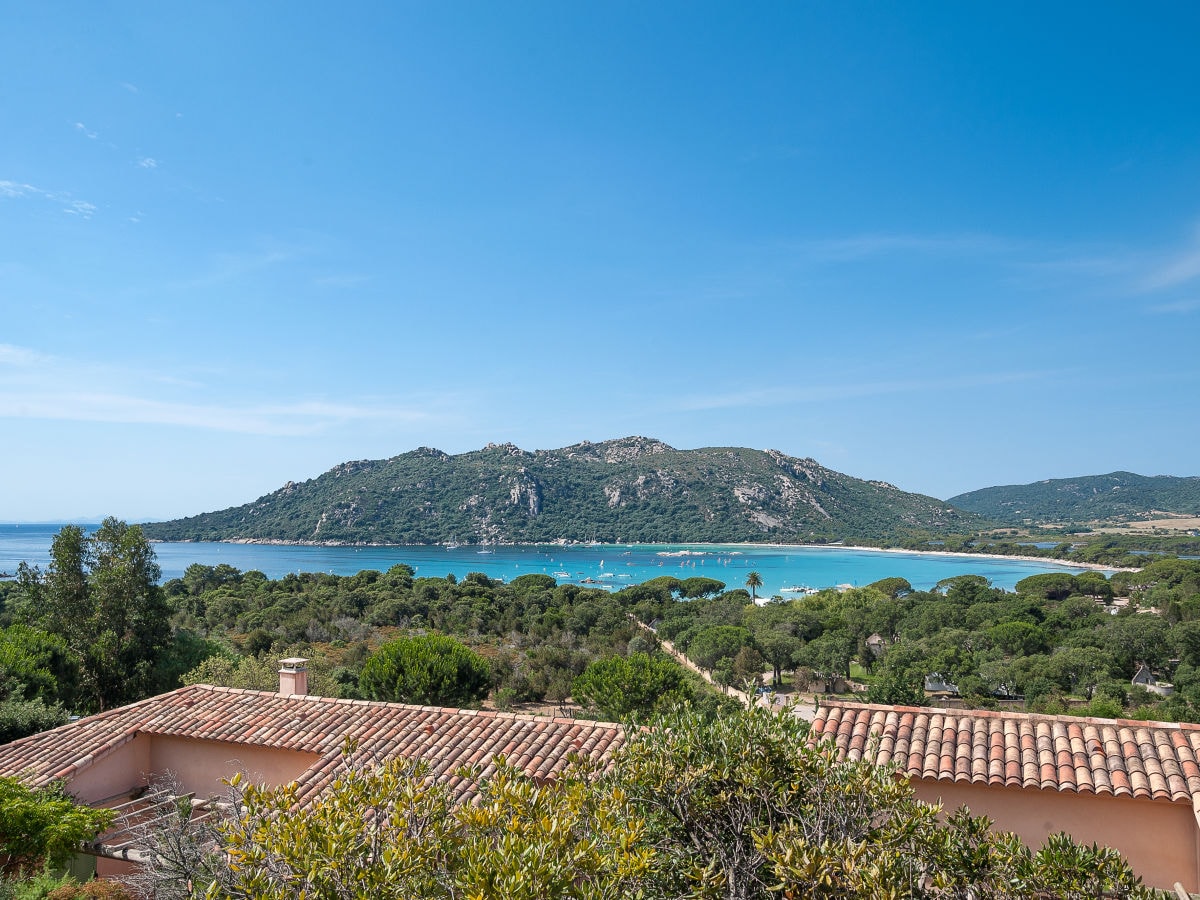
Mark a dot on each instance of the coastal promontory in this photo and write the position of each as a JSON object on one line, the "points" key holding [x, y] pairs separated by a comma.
{"points": [[634, 489]]}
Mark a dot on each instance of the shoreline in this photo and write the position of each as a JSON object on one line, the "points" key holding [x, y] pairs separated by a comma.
{"points": [[274, 542]]}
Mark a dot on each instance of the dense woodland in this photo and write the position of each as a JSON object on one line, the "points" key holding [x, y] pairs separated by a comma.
{"points": [[694, 804], [95, 630]]}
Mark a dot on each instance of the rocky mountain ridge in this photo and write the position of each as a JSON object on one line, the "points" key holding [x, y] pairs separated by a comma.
{"points": [[633, 489]]}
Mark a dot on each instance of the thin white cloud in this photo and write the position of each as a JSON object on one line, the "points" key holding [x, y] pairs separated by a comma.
{"points": [[15, 190], [786, 396], [231, 266], [1112, 271], [79, 208], [132, 88], [87, 132], [148, 162], [1179, 306], [299, 419], [36, 386], [857, 247], [1180, 268], [12, 355]]}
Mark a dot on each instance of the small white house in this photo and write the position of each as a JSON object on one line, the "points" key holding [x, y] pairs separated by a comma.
{"points": [[935, 683], [1144, 678]]}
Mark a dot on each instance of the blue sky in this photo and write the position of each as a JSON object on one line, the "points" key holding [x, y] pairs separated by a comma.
{"points": [[946, 245]]}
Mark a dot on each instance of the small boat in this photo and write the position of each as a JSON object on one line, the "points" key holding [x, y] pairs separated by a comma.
{"points": [[798, 589], [562, 574]]}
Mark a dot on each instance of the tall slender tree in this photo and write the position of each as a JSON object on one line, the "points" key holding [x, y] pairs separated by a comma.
{"points": [[101, 594], [754, 581]]}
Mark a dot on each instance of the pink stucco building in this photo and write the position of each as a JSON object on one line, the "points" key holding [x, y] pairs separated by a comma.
{"points": [[1130, 785]]}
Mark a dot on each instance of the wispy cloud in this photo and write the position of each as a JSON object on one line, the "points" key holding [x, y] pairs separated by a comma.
{"points": [[132, 88], [855, 247], [23, 357], [1179, 268], [226, 267], [1179, 306], [15, 190], [787, 396], [298, 419], [1104, 271], [36, 386], [148, 162], [79, 208], [85, 131]]}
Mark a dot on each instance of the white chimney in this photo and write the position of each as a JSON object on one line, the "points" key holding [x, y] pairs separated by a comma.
{"points": [[293, 676]]}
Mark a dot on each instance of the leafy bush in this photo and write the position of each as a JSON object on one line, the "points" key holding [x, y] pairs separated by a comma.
{"points": [[43, 825], [432, 670]]}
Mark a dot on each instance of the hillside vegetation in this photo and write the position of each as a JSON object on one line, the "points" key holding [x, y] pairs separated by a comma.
{"points": [[1116, 496], [630, 490]]}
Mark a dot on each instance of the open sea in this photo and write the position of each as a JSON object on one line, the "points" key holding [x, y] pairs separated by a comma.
{"points": [[603, 565]]}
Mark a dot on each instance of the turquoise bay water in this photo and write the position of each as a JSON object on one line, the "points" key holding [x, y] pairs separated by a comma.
{"points": [[611, 565]]}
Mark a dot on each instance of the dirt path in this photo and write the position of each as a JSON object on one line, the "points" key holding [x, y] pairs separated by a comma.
{"points": [[804, 705]]}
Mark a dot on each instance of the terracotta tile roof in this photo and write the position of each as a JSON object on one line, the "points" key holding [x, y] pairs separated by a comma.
{"points": [[1156, 760], [445, 738]]}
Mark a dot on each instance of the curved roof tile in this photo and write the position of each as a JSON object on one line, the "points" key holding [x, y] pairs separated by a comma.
{"points": [[1156, 760], [445, 738]]}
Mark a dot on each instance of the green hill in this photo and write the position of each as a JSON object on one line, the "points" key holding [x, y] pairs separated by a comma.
{"points": [[629, 490], [1117, 496]]}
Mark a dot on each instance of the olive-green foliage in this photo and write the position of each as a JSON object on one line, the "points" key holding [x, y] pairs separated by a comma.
{"points": [[539, 635], [717, 642], [37, 675], [100, 594], [430, 670], [19, 718], [892, 587], [40, 826], [389, 832], [736, 808], [1048, 586], [1053, 641], [621, 687], [261, 673], [743, 807]]}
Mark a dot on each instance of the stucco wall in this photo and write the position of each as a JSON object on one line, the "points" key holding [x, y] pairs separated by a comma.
{"points": [[201, 765], [1158, 838], [115, 774]]}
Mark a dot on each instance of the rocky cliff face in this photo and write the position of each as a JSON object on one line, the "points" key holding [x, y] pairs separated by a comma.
{"points": [[635, 489]]}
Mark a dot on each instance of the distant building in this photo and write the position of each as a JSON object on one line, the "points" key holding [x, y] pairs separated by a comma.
{"points": [[935, 683], [1144, 678], [876, 645]]}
